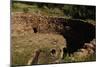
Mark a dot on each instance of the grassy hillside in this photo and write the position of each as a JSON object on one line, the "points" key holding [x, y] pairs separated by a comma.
{"points": [[28, 18]]}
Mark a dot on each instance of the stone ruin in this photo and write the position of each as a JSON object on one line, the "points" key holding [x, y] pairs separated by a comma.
{"points": [[75, 32]]}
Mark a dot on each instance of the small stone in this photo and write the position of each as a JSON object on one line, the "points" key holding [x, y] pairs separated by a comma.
{"points": [[88, 45]]}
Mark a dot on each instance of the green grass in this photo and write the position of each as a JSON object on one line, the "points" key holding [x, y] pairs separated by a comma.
{"points": [[77, 58], [74, 11], [21, 7]]}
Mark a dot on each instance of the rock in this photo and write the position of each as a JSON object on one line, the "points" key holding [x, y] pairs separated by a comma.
{"points": [[67, 33], [89, 45], [93, 42], [83, 50], [46, 56], [90, 51]]}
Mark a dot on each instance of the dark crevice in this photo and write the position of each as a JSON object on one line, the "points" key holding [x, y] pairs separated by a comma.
{"points": [[77, 33], [35, 30], [53, 51], [35, 59]]}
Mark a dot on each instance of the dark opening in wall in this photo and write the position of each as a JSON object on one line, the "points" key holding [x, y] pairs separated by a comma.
{"points": [[53, 51], [76, 34], [35, 30], [35, 58]]}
